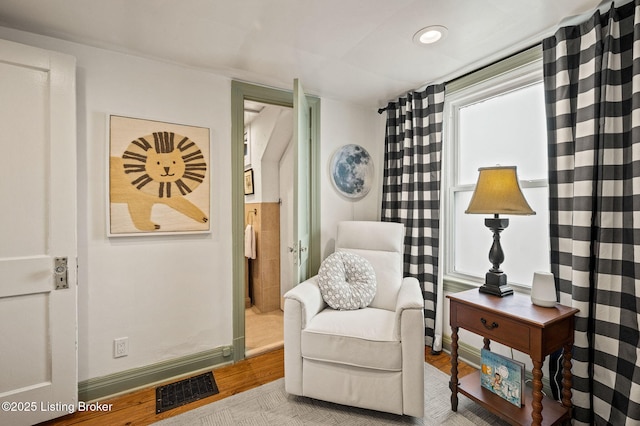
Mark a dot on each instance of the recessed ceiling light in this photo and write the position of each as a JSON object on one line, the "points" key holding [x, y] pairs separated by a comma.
{"points": [[430, 34]]}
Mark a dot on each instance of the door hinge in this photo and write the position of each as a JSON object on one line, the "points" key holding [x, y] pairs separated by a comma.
{"points": [[60, 275]]}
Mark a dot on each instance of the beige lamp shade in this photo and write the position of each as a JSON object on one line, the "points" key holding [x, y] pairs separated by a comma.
{"points": [[498, 192]]}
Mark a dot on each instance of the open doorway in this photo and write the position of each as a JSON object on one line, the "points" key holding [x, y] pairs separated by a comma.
{"points": [[268, 211], [241, 92]]}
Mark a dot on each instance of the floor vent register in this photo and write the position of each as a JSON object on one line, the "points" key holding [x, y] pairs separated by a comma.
{"points": [[185, 391]]}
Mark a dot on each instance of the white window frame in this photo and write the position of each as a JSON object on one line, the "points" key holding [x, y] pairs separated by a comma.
{"points": [[512, 74]]}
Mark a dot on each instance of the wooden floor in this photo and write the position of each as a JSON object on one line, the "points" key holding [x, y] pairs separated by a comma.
{"points": [[264, 331], [138, 408]]}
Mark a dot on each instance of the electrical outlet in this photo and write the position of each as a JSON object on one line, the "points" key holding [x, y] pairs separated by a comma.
{"points": [[120, 347], [226, 351]]}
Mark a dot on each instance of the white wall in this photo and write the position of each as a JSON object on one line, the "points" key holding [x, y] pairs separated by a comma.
{"points": [[171, 295], [343, 124], [157, 291], [260, 132]]}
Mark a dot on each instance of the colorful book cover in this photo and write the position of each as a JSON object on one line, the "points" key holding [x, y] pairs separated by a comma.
{"points": [[502, 376]]}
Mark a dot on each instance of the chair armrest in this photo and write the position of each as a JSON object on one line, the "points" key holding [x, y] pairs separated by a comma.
{"points": [[301, 303], [409, 297], [307, 293], [410, 330]]}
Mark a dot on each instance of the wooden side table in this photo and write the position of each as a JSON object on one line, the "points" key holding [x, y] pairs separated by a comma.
{"points": [[514, 321]]}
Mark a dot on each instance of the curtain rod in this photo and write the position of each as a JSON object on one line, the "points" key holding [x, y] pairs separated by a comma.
{"points": [[484, 67], [604, 6]]}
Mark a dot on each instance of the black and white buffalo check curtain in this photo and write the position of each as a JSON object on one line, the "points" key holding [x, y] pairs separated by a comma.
{"points": [[411, 186], [592, 85]]}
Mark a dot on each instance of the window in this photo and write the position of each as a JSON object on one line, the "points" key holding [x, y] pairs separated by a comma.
{"points": [[499, 120]]}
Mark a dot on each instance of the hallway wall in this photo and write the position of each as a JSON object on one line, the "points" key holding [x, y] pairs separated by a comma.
{"points": [[265, 268]]}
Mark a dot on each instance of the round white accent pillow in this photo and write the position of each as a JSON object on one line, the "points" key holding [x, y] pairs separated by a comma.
{"points": [[347, 281]]}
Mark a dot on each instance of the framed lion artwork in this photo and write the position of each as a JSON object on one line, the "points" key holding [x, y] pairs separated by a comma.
{"points": [[158, 178]]}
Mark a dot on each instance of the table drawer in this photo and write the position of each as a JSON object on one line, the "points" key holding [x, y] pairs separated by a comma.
{"points": [[494, 327]]}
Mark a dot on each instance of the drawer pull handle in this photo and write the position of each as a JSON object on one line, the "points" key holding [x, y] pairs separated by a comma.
{"points": [[488, 326]]}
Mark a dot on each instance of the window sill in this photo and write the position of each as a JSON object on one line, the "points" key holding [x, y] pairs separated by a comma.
{"points": [[455, 284]]}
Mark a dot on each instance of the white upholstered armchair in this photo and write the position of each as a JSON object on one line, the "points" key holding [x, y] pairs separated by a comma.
{"points": [[371, 357]]}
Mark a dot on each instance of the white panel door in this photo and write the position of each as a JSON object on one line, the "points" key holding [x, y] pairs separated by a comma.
{"points": [[301, 182], [38, 356]]}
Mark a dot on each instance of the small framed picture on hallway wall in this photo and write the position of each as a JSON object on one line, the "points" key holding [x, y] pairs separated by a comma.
{"points": [[248, 182], [158, 178]]}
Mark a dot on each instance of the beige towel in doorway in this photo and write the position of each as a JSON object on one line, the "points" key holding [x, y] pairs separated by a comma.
{"points": [[250, 242]]}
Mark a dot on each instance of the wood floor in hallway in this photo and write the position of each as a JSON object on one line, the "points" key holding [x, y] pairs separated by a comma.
{"points": [[264, 332]]}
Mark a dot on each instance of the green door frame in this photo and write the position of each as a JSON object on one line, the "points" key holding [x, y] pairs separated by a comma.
{"points": [[239, 93]]}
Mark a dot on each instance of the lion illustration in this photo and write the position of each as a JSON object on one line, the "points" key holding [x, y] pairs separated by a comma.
{"points": [[159, 168]]}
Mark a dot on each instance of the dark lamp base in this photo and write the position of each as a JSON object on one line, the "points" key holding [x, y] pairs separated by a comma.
{"points": [[496, 283]]}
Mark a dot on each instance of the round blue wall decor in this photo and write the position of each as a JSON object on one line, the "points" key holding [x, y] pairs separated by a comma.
{"points": [[352, 171]]}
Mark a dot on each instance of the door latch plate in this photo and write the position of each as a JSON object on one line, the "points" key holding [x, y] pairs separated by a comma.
{"points": [[60, 273]]}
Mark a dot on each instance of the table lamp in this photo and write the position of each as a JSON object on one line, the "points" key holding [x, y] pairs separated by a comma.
{"points": [[497, 192]]}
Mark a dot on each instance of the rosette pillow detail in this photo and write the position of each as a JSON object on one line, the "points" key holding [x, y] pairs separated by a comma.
{"points": [[347, 281]]}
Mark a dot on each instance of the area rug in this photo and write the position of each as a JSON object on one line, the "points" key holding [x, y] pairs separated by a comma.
{"points": [[270, 405]]}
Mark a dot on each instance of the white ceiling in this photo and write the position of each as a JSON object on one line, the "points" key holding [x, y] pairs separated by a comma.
{"points": [[359, 51]]}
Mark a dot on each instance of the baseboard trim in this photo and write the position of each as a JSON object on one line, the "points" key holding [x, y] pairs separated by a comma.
{"points": [[136, 378], [467, 353]]}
